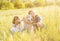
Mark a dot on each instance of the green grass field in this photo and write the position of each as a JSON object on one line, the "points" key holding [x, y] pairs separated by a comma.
{"points": [[50, 16]]}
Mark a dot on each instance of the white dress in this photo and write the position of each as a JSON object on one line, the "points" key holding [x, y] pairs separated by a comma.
{"points": [[17, 28], [26, 25]]}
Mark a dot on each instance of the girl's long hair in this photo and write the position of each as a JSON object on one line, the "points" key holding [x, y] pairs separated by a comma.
{"points": [[14, 19]]}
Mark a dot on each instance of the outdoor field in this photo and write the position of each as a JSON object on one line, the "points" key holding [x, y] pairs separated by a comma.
{"points": [[50, 16]]}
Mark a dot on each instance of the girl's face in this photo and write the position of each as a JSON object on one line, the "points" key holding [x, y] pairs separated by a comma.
{"points": [[17, 21], [32, 13]]}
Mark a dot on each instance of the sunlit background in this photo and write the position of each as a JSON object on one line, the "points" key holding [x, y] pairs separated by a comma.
{"points": [[49, 10]]}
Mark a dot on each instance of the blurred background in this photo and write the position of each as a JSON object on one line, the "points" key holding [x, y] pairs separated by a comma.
{"points": [[18, 4], [49, 10]]}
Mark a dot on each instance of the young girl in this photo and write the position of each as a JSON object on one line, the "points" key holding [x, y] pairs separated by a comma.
{"points": [[16, 26], [28, 20], [37, 22]]}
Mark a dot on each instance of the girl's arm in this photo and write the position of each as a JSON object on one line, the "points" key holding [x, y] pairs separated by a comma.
{"points": [[26, 20], [12, 29]]}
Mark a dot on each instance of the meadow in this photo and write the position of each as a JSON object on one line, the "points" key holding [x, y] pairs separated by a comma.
{"points": [[50, 16]]}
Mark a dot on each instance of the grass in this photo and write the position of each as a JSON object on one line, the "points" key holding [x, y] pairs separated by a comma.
{"points": [[50, 16]]}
